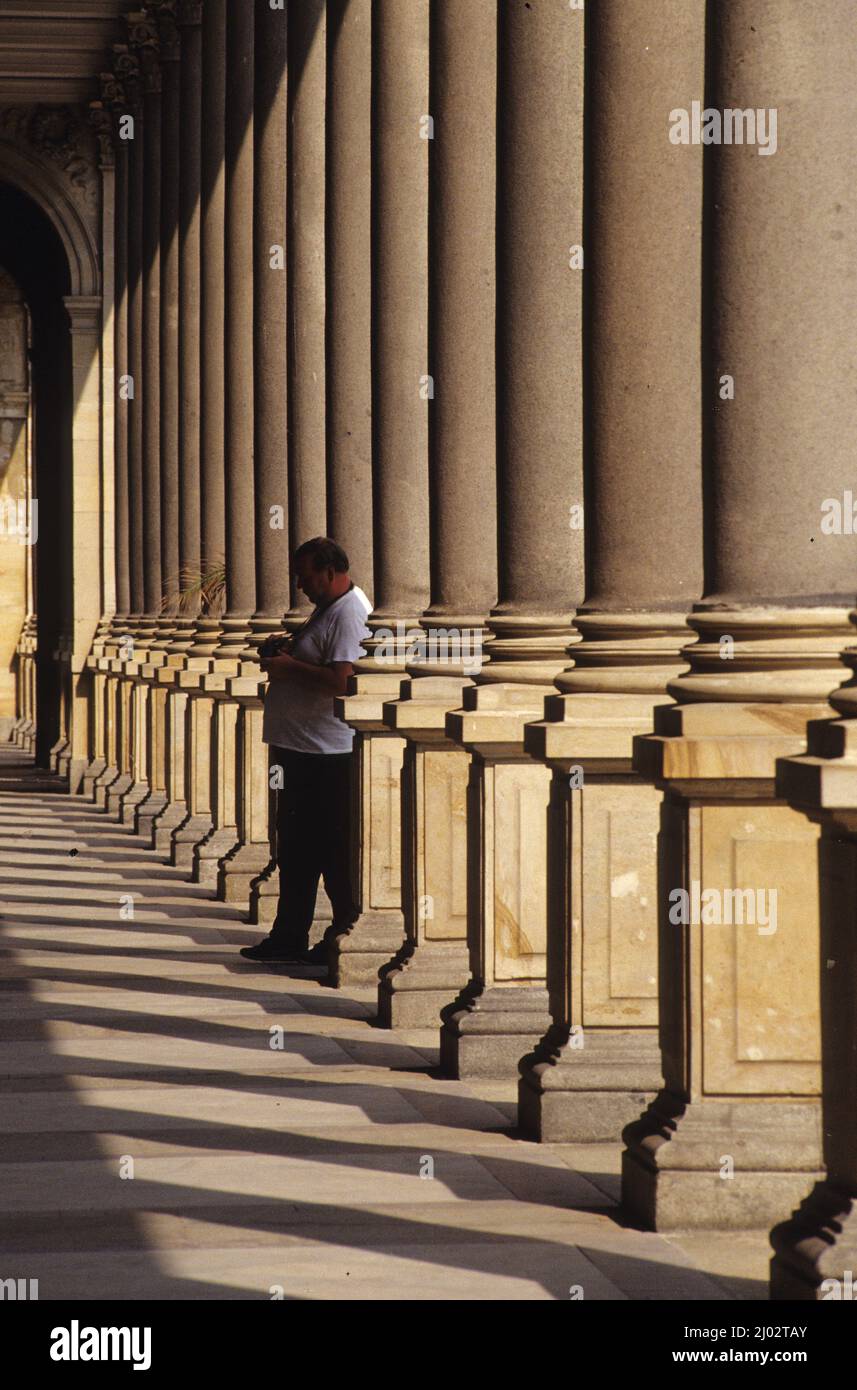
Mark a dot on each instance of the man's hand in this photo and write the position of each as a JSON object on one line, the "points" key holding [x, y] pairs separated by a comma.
{"points": [[333, 679]]}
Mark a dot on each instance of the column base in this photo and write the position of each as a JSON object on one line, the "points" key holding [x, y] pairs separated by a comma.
{"points": [[115, 793], [130, 800], [676, 1162], [358, 954], [147, 812], [94, 770], [265, 895], [487, 1033], [208, 854], [103, 783], [587, 1094], [816, 1250], [423, 980], [238, 869], [192, 831], [166, 822]]}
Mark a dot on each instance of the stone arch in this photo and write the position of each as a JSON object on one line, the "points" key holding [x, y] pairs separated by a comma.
{"points": [[47, 188]]}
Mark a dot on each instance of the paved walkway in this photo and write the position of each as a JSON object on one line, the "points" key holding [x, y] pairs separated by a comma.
{"points": [[339, 1165]]}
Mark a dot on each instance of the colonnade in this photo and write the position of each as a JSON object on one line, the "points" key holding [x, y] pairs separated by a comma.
{"points": [[434, 278]]}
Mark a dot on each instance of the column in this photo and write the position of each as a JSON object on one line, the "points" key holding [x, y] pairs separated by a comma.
{"points": [[434, 964], [400, 109], [238, 307], [249, 868], [200, 657], [306, 300], [189, 19], [740, 1037], [212, 330], [186, 272], [144, 36], [600, 1061], [348, 298], [168, 394], [504, 1009]]}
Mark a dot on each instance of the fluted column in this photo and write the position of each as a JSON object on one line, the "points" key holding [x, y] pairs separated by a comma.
{"points": [[642, 437], [145, 38], [400, 372], [168, 393], [462, 449], [242, 870], [269, 319], [540, 557], [400, 43], [348, 299], [181, 323], [741, 1068], [306, 305], [238, 305], [211, 341], [120, 350]]}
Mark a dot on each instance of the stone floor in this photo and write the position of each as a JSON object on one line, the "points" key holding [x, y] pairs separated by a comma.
{"points": [[156, 1143]]}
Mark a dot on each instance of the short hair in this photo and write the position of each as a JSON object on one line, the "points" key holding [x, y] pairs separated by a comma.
{"points": [[324, 553]]}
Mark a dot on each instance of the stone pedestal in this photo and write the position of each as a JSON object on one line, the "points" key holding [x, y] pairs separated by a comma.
{"points": [[433, 965], [736, 1132], [378, 933], [223, 836], [250, 856], [503, 1012], [816, 1250], [599, 1064], [197, 824]]}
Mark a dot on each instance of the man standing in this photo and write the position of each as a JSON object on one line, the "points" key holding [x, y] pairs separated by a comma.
{"points": [[313, 748]]}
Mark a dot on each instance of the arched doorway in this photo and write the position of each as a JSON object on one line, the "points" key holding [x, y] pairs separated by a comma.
{"points": [[40, 258]]}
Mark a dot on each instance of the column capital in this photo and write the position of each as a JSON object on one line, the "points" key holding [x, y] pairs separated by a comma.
{"points": [[101, 120], [144, 40], [188, 12], [128, 81], [169, 39]]}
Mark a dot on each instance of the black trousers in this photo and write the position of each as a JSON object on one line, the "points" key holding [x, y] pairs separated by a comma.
{"points": [[313, 841]]}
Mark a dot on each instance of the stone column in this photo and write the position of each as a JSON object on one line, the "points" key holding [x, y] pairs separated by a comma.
{"points": [[400, 393], [100, 683], [600, 1062], [816, 1250], [739, 1012], [212, 340], [249, 868], [186, 271], [189, 18], [200, 657], [238, 306], [131, 140], [348, 299], [307, 488], [145, 38], [539, 454], [433, 965], [171, 139]]}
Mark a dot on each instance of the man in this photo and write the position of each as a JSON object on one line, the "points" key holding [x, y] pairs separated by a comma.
{"points": [[313, 748]]}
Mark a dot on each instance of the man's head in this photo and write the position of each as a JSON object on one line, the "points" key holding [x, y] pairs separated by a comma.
{"points": [[321, 567]]}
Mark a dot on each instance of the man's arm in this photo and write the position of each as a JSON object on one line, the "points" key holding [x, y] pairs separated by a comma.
{"points": [[332, 679]]}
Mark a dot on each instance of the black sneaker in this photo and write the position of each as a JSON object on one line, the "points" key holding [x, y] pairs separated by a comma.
{"points": [[272, 951], [316, 955]]}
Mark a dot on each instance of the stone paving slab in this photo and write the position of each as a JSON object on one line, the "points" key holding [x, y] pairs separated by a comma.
{"points": [[340, 1166]]}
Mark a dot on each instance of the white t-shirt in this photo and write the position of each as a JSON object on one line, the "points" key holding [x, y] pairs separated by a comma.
{"points": [[296, 715]]}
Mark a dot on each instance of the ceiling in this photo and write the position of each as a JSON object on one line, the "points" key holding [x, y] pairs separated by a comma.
{"points": [[52, 51]]}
